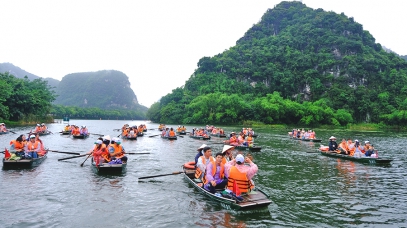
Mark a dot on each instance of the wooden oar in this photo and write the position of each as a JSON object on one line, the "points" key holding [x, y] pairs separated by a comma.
{"points": [[135, 153], [96, 134], [86, 159], [116, 129], [152, 135], [151, 129], [161, 175], [181, 136], [64, 152], [82, 155], [12, 132]]}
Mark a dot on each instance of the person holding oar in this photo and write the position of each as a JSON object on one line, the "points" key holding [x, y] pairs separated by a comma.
{"points": [[33, 147], [99, 152], [17, 145]]}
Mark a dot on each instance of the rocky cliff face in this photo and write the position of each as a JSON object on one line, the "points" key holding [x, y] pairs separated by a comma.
{"points": [[102, 89]]}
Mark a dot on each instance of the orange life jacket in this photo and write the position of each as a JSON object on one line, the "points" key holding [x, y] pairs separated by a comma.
{"points": [[242, 182], [76, 131], [17, 145], [198, 171], [249, 139], [172, 134], [32, 146], [221, 174], [233, 139], [118, 150]]}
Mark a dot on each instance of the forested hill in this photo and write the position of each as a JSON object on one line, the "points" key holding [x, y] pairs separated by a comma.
{"points": [[105, 89], [20, 73], [297, 65]]}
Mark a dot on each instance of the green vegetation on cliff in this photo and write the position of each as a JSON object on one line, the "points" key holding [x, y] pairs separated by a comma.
{"points": [[296, 66]]}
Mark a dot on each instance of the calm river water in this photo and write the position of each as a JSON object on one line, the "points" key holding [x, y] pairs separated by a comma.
{"points": [[307, 189]]}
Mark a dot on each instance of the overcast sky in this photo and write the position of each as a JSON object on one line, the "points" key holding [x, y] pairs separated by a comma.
{"points": [[157, 44]]}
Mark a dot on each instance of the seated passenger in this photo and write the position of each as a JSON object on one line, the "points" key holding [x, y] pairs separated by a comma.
{"points": [[203, 161], [358, 150], [333, 146], [237, 171], [343, 147], [215, 177]]}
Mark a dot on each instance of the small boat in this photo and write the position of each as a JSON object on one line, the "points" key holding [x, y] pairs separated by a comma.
{"points": [[129, 138], [42, 133], [308, 140], [199, 137], [65, 132], [366, 160], [144, 130], [255, 199], [219, 135], [181, 132], [109, 169], [169, 137], [24, 163], [250, 148], [4, 132], [80, 136], [140, 134]]}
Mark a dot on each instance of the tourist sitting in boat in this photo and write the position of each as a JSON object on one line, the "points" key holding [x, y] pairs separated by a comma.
{"points": [[233, 141], [343, 147], [172, 133], [167, 132], [244, 131], [236, 170], [18, 144], [359, 150], [215, 177], [116, 150], [67, 128], [76, 131], [214, 131], [3, 127], [203, 161], [312, 134], [84, 130], [97, 151], [369, 149], [33, 147], [221, 131], [199, 154], [306, 135], [43, 128], [333, 145], [227, 153], [42, 149], [249, 140], [37, 128], [351, 147], [241, 139]]}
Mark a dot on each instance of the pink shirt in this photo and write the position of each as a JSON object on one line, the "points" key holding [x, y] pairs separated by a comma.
{"points": [[249, 170]]}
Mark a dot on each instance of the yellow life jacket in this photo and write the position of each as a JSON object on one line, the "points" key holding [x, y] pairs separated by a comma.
{"points": [[242, 182]]}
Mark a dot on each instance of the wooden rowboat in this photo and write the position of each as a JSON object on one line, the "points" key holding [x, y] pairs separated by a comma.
{"points": [[42, 133], [181, 132], [199, 137], [252, 148], [366, 160], [23, 163], [109, 169], [4, 132], [140, 134], [307, 140], [129, 138], [169, 137], [80, 136], [218, 135], [65, 132], [255, 199]]}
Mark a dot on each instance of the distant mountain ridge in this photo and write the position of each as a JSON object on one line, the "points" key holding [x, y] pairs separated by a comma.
{"points": [[106, 89], [20, 73]]}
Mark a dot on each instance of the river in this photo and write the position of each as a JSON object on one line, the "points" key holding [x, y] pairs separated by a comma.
{"points": [[307, 189]]}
